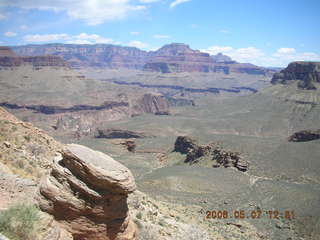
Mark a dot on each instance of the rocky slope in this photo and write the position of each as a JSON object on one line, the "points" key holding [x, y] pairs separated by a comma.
{"points": [[307, 74], [175, 57]]}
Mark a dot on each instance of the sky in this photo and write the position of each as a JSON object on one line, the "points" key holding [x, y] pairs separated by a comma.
{"points": [[262, 32]]}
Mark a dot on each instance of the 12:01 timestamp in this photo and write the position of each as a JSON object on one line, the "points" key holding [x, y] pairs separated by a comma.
{"points": [[251, 214]]}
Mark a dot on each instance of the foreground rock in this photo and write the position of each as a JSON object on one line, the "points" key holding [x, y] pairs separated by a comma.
{"points": [[306, 73], [87, 193], [305, 136], [212, 152]]}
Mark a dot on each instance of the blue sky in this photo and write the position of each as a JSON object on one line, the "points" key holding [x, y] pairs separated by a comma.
{"points": [[263, 32]]}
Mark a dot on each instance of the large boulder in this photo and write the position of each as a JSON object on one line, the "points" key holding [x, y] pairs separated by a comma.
{"points": [[87, 192]]}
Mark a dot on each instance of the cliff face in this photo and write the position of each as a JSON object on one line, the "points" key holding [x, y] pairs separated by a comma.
{"points": [[9, 59], [175, 57], [306, 73], [99, 55], [178, 57], [87, 193], [151, 103]]}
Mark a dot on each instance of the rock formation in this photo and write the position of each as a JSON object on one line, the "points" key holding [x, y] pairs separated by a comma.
{"points": [[212, 152], [86, 55], [178, 57], [305, 136], [86, 193], [307, 74], [175, 57], [152, 103]]}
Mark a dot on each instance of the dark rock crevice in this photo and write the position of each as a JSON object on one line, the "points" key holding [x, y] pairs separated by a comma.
{"points": [[57, 109]]}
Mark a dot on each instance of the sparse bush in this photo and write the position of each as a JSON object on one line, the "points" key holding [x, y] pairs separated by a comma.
{"points": [[138, 223], [139, 215], [18, 222], [162, 223], [20, 163], [28, 138]]}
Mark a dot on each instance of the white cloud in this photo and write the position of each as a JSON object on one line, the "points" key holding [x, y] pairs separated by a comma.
{"points": [[134, 33], [93, 38], [10, 34], [2, 16], [161, 36], [286, 50], [149, 1], [176, 2], [280, 58], [92, 12], [224, 31], [82, 38], [23, 27], [137, 44], [46, 37]]}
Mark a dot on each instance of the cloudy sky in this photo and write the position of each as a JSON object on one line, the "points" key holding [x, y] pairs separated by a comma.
{"points": [[263, 32]]}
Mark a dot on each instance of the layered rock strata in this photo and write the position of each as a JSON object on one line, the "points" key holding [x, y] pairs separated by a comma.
{"points": [[307, 74], [86, 193]]}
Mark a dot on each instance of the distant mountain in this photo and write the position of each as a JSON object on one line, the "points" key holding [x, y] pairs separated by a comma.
{"points": [[220, 58], [9, 59], [85, 55], [175, 57]]}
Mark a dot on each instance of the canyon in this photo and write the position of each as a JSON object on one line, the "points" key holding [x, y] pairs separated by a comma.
{"points": [[175, 57]]}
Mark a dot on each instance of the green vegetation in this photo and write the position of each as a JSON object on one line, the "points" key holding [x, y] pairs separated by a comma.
{"points": [[19, 221], [139, 215]]}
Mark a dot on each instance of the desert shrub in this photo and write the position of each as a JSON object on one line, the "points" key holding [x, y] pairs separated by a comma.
{"points": [[28, 138], [162, 223], [18, 222], [139, 215], [138, 224]]}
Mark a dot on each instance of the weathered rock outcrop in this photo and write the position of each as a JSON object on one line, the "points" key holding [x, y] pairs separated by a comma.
{"points": [[212, 152], [305, 135], [152, 103], [87, 193], [118, 133], [306, 73]]}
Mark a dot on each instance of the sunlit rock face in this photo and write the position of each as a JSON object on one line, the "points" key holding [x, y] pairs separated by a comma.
{"points": [[306, 73], [87, 192]]}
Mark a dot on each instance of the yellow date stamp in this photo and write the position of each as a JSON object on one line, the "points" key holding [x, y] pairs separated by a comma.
{"points": [[250, 214]]}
